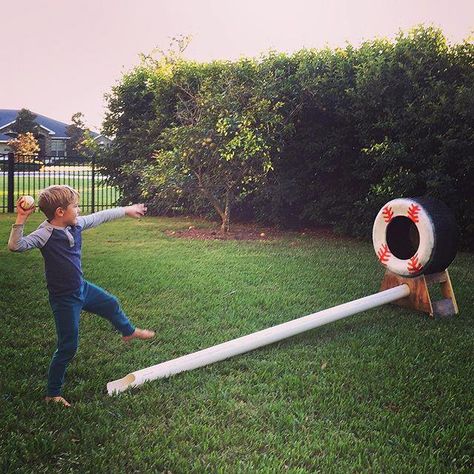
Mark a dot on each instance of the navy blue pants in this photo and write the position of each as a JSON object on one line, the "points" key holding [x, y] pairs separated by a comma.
{"points": [[67, 310]]}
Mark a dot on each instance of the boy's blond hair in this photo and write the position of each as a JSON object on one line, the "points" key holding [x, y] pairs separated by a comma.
{"points": [[55, 196]]}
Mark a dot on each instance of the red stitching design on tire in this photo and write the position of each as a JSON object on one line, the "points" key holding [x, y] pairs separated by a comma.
{"points": [[387, 213], [413, 212], [384, 254], [414, 265]]}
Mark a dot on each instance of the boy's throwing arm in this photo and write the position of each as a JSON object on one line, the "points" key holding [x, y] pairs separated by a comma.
{"points": [[19, 243]]}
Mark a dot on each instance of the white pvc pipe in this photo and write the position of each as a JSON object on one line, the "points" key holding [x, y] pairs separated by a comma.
{"points": [[256, 339]]}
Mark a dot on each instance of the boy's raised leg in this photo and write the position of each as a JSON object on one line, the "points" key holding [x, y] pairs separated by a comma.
{"points": [[99, 301]]}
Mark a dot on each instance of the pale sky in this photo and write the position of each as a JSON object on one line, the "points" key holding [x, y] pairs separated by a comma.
{"points": [[61, 56]]}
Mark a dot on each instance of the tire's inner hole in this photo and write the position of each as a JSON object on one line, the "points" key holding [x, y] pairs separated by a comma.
{"points": [[403, 238]]}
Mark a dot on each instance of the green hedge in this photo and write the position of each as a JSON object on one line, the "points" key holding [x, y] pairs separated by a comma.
{"points": [[387, 119]]}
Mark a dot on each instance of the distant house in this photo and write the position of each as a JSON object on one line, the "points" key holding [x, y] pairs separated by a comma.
{"points": [[52, 135]]}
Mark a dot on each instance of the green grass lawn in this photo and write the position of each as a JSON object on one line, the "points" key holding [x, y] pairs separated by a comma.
{"points": [[387, 390]]}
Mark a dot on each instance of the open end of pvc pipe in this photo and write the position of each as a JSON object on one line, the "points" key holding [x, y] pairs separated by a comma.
{"points": [[120, 385]]}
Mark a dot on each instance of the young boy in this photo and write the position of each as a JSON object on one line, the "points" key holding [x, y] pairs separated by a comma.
{"points": [[59, 240]]}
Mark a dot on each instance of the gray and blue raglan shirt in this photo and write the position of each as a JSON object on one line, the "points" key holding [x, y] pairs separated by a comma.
{"points": [[61, 248]]}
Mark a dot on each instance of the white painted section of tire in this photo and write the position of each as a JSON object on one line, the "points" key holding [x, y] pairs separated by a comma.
{"points": [[401, 207]]}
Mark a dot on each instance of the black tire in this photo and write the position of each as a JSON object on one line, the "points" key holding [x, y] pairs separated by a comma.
{"points": [[415, 236], [446, 234]]}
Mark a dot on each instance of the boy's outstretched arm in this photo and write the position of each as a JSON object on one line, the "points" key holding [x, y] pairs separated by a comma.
{"points": [[93, 220], [17, 242]]}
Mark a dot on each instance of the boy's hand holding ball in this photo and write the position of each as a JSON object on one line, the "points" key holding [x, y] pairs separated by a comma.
{"points": [[26, 202], [24, 207]]}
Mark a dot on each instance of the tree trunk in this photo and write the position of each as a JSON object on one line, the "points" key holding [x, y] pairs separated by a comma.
{"points": [[226, 216], [223, 212], [207, 193]]}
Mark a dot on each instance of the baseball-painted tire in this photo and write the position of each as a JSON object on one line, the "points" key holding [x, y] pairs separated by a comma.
{"points": [[415, 236]]}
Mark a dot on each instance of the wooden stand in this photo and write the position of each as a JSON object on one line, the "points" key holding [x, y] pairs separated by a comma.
{"points": [[420, 298]]}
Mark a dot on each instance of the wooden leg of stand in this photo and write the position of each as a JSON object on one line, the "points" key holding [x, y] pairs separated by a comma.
{"points": [[446, 306], [448, 292], [419, 298]]}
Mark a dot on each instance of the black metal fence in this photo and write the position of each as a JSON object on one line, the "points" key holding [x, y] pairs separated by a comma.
{"points": [[26, 175]]}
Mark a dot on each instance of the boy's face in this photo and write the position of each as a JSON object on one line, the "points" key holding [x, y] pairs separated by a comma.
{"points": [[70, 214]]}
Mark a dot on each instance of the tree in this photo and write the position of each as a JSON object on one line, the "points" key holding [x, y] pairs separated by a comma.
{"points": [[24, 146], [226, 134], [75, 132], [80, 138], [25, 122]]}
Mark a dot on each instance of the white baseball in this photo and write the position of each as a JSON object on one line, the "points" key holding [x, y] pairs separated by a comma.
{"points": [[27, 202]]}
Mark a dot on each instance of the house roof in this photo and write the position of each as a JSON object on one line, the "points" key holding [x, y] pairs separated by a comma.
{"points": [[55, 128]]}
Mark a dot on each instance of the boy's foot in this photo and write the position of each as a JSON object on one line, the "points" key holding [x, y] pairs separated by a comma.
{"points": [[57, 400], [139, 334]]}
